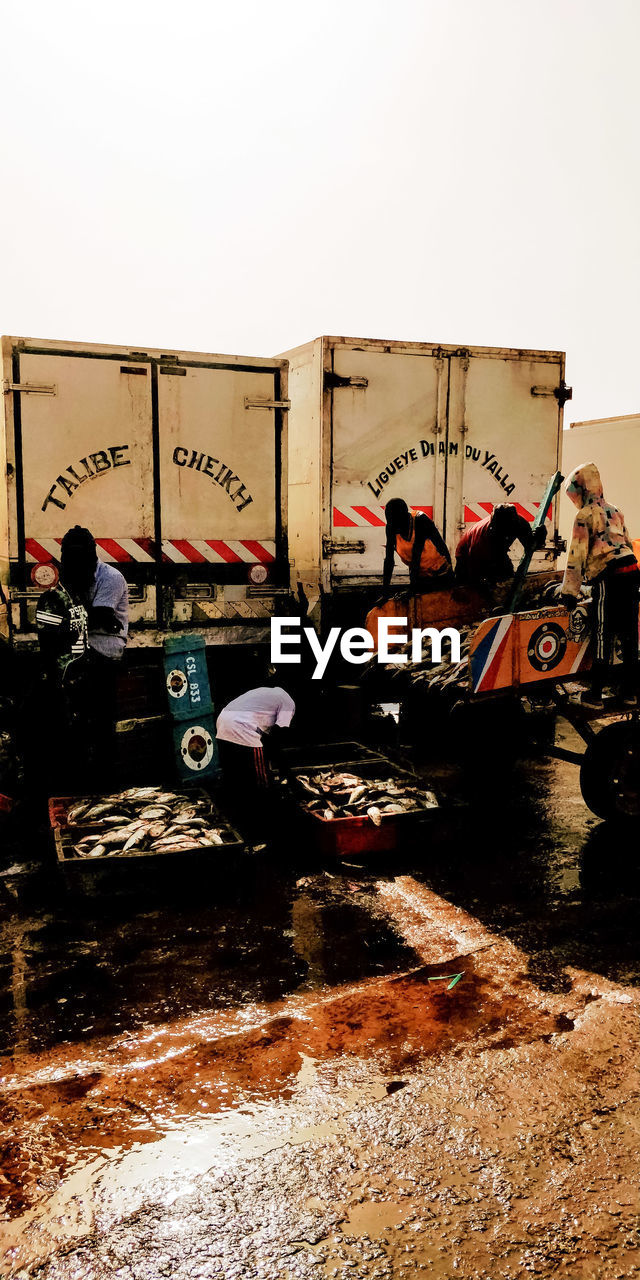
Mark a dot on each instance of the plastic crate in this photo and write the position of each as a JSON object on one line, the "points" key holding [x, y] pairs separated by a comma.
{"points": [[338, 755], [59, 805], [66, 836], [342, 837]]}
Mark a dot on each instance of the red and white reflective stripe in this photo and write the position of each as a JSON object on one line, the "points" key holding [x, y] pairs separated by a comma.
{"points": [[363, 517], [480, 510], [110, 550], [215, 551], [477, 511], [373, 516], [174, 551]]}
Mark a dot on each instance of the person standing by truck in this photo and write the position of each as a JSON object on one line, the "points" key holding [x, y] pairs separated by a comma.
{"points": [[82, 625], [601, 553], [413, 536], [482, 554]]}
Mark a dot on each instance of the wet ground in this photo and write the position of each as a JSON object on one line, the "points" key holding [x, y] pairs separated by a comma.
{"points": [[424, 1066]]}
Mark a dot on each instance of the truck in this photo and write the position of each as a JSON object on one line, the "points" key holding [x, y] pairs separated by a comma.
{"points": [[614, 445], [452, 430], [177, 463]]}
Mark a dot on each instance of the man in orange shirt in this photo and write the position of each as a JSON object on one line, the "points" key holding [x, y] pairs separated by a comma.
{"points": [[414, 538]]}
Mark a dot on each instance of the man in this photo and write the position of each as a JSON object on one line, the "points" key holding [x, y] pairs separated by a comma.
{"points": [[241, 729], [83, 626], [601, 553], [482, 554], [414, 538]]}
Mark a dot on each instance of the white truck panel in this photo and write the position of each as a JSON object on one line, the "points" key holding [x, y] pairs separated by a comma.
{"points": [[87, 449], [503, 442], [614, 445], [217, 457], [450, 430], [176, 461], [385, 444]]}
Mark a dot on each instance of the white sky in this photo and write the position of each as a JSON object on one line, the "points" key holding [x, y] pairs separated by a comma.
{"points": [[242, 177]]}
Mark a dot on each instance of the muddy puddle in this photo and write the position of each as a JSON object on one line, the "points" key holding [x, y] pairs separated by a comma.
{"points": [[92, 1132], [145, 1045]]}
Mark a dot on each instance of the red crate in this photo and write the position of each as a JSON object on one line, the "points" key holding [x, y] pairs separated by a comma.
{"points": [[344, 836], [341, 837]]}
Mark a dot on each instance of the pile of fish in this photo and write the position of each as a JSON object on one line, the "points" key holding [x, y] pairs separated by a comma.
{"points": [[447, 678], [449, 682], [144, 820], [332, 794]]}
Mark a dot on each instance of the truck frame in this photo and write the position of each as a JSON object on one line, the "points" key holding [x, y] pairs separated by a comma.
{"points": [[176, 461]]}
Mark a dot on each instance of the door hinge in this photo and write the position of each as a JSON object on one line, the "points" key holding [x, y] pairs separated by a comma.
{"points": [[561, 393], [331, 548], [334, 380], [250, 403], [30, 388]]}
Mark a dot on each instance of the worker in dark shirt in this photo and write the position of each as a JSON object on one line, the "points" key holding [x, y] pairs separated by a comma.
{"points": [[482, 554], [413, 536], [82, 626]]}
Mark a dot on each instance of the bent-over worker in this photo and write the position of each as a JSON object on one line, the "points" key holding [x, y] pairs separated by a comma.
{"points": [[601, 553], [413, 536], [482, 554], [241, 730]]}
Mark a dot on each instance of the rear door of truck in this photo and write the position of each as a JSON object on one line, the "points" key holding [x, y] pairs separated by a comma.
{"points": [[83, 454], [505, 422], [221, 488], [389, 439], [175, 465]]}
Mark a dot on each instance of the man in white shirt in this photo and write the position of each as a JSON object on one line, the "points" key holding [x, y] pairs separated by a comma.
{"points": [[240, 731]]}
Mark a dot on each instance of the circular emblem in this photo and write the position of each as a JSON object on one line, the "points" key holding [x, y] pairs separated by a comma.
{"points": [[197, 748], [177, 684], [578, 624], [258, 573], [45, 576], [547, 646]]}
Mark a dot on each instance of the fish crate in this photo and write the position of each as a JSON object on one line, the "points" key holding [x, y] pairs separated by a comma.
{"points": [[336, 755], [358, 834], [67, 835], [59, 806]]}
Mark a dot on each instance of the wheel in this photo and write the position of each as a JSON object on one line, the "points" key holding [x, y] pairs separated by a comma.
{"points": [[610, 772]]}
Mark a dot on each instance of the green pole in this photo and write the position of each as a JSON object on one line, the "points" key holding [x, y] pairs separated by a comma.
{"points": [[523, 567]]}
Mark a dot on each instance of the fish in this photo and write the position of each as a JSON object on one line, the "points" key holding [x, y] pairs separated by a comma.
{"points": [[97, 851], [145, 820], [157, 829], [334, 794], [77, 810], [98, 810], [356, 793], [114, 837], [140, 793], [138, 836]]}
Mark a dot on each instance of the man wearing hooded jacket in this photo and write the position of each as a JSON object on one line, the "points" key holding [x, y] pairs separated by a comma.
{"points": [[601, 554]]}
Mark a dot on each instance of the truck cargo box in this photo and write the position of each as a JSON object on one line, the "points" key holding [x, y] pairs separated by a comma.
{"points": [[614, 445], [176, 462], [452, 430]]}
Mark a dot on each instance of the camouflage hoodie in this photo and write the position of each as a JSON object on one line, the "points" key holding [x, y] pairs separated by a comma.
{"points": [[599, 533]]}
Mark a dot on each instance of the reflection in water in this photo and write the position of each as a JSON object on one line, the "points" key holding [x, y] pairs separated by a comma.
{"points": [[152, 1042]]}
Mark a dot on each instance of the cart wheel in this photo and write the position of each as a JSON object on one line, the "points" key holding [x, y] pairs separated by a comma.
{"points": [[610, 772]]}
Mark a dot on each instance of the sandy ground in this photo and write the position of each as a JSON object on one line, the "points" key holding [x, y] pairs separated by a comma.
{"points": [[290, 1082]]}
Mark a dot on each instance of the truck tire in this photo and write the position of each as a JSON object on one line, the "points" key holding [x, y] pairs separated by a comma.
{"points": [[610, 772]]}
